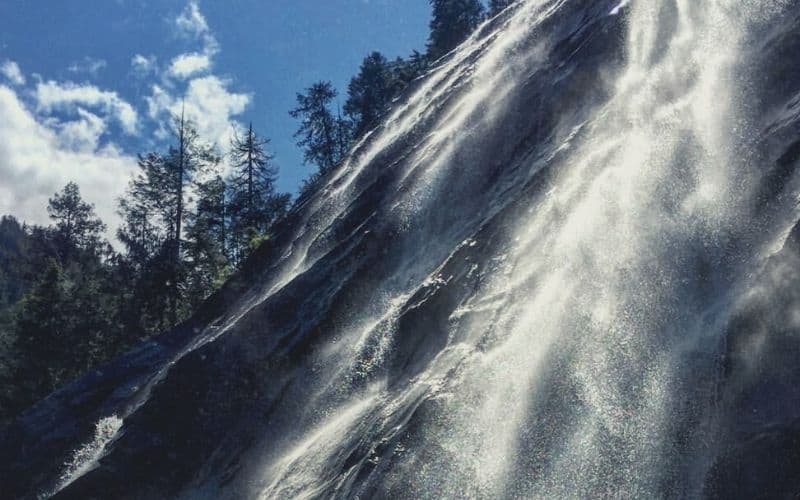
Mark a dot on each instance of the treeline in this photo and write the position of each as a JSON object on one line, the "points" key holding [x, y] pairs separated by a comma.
{"points": [[185, 227], [327, 132], [69, 300]]}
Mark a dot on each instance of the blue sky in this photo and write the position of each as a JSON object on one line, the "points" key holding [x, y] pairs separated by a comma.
{"points": [[85, 85]]}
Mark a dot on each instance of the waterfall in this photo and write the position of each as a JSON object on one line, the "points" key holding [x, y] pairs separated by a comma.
{"points": [[520, 284], [586, 363], [608, 311]]}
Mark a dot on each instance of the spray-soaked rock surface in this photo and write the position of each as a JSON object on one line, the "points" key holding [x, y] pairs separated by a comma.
{"points": [[564, 266]]}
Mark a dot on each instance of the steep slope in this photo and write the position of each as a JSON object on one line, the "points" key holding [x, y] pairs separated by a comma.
{"points": [[563, 266]]}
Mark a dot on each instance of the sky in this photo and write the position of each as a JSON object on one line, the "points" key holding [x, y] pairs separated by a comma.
{"points": [[85, 85]]}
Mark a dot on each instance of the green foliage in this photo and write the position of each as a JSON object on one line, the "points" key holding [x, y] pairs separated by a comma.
{"points": [[15, 245], [369, 92], [207, 261], [321, 134], [65, 324], [451, 23], [376, 85], [257, 240], [254, 204], [76, 225], [68, 301]]}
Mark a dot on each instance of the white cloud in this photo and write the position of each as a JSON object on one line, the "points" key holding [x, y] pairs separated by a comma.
{"points": [[11, 71], [67, 96], [191, 21], [38, 158], [88, 65], [208, 102], [143, 65], [60, 134], [212, 105], [206, 99], [158, 102], [82, 134], [192, 24], [186, 65]]}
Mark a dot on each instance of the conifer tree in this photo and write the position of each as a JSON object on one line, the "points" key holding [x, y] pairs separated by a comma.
{"points": [[185, 159], [206, 241], [369, 92], [452, 22], [406, 70], [76, 225], [254, 203], [154, 212], [319, 134]]}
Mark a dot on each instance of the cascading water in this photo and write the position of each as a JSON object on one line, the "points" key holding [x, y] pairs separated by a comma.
{"points": [[605, 319], [586, 364], [520, 285]]}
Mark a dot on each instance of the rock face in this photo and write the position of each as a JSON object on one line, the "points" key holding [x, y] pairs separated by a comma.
{"points": [[565, 265]]}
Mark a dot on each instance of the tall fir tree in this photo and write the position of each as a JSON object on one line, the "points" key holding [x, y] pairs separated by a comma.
{"points": [[148, 213], [185, 159], [319, 134], [254, 202], [369, 92], [76, 225], [206, 237], [154, 213], [404, 71], [451, 23]]}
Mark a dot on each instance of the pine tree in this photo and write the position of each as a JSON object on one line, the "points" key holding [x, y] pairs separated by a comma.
{"points": [[154, 211], [369, 92], [15, 263], [183, 162], [254, 203], [189, 156], [206, 241], [452, 22], [64, 325], [40, 326], [404, 71], [76, 225], [319, 133], [344, 135], [139, 233]]}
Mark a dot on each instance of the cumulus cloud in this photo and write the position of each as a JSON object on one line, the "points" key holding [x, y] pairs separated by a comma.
{"points": [[206, 98], [208, 101], [56, 131], [13, 74], [82, 134], [186, 65], [68, 96], [38, 157], [193, 25], [143, 65]]}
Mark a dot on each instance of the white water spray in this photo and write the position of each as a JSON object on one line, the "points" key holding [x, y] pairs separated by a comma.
{"points": [[561, 374]]}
